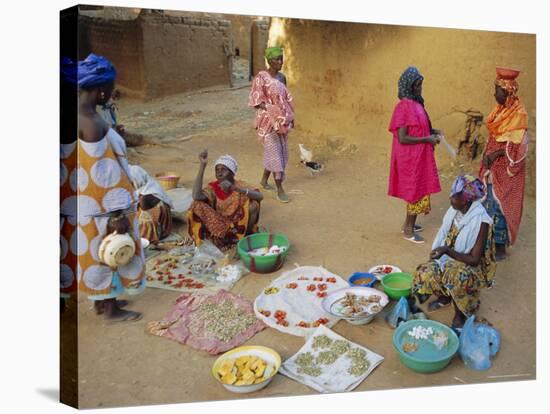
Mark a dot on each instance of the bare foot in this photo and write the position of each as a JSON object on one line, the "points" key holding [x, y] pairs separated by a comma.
{"points": [[458, 320], [439, 303]]}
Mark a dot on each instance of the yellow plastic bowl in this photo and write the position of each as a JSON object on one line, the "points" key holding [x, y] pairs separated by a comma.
{"points": [[267, 354]]}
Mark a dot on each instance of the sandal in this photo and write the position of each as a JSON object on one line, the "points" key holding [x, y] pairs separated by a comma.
{"points": [[267, 187], [415, 238], [436, 305], [283, 198], [129, 316], [417, 228]]}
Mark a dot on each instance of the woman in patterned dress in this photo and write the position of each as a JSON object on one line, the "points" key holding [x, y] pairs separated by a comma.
{"points": [[462, 261], [503, 166], [226, 209], [274, 119], [413, 171], [99, 199]]}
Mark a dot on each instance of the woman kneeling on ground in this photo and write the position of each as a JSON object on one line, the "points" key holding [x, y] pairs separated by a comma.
{"points": [[225, 210], [462, 261]]}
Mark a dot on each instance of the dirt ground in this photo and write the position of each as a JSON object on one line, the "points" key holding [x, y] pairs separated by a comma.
{"points": [[341, 219]]}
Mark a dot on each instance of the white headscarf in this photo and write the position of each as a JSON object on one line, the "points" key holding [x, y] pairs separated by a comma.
{"points": [[145, 184], [229, 162]]}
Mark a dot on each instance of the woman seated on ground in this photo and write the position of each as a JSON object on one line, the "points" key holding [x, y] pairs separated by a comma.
{"points": [[226, 210], [154, 218], [462, 261]]}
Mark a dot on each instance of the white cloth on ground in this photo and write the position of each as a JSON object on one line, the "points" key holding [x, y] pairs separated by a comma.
{"points": [[334, 377]]}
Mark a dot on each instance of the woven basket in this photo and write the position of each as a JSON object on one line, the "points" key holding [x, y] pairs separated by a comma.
{"points": [[168, 180]]}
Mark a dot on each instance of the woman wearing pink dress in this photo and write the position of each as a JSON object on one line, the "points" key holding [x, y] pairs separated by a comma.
{"points": [[274, 118], [413, 171]]}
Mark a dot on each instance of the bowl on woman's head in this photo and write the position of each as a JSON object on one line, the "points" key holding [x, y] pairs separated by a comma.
{"points": [[507, 73], [362, 279], [425, 345], [397, 285], [246, 368], [263, 252]]}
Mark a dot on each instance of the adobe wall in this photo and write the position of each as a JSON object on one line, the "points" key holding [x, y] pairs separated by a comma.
{"points": [[120, 42], [346, 73], [161, 55], [260, 37], [185, 53]]}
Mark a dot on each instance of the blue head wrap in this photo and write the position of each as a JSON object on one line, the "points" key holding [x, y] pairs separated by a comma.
{"points": [[68, 71], [94, 71]]}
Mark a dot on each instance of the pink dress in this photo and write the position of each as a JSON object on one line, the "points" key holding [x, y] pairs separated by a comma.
{"points": [[413, 171], [273, 123]]}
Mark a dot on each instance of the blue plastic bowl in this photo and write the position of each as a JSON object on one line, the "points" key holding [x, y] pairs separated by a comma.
{"points": [[360, 275]]}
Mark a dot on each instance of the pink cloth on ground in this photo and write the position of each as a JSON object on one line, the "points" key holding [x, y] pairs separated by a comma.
{"points": [[413, 171], [175, 324]]}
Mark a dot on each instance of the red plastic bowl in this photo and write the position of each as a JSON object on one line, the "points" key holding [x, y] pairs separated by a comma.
{"points": [[507, 73]]}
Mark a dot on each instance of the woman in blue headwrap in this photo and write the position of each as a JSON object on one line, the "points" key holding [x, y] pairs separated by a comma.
{"points": [[100, 199], [462, 261]]}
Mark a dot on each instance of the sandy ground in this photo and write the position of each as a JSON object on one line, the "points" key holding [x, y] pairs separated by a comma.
{"points": [[341, 219]]}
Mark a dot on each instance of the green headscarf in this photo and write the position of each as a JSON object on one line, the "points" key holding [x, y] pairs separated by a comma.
{"points": [[273, 52]]}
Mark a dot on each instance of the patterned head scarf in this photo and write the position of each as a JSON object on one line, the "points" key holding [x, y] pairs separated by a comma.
{"points": [[273, 52], [94, 71], [405, 84], [229, 162], [472, 188], [510, 85]]}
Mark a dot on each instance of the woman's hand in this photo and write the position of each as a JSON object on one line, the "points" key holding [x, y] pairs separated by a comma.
{"points": [[438, 252], [203, 157], [489, 159], [227, 186], [434, 139]]}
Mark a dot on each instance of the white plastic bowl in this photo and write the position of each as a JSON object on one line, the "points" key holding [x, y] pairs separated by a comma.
{"points": [[329, 302], [267, 354]]}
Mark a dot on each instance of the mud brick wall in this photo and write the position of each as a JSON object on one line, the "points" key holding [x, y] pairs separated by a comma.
{"points": [[159, 56], [119, 41], [260, 36], [185, 53]]}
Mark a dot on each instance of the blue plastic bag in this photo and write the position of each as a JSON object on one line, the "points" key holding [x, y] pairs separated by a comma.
{"points": [[478, 343]]}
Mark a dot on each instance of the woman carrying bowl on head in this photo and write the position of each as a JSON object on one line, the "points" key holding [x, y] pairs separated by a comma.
{"points": [[274, 119], [462, 261], [503, 166], [226, 209], [97, 199], [413, 171]]}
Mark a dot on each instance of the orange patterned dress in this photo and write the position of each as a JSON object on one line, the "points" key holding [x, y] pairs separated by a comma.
{"points": [[92, 188]]}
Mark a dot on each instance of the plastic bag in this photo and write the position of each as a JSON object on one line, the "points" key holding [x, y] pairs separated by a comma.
{"points": [[400, 313], [478, 343]]}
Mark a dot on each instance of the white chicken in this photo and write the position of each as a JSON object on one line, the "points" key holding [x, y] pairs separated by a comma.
{"points": [[306, 159]]}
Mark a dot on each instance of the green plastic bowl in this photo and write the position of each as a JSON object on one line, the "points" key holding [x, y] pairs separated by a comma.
{"points": [[262, 264], [427, 358], [397, 285]]}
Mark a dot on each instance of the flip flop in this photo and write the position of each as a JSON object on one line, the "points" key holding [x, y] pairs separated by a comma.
{"points": [[131, 316], [120, 303], [500, 257], [417, 228], [283, 198], [415, 238], [436, 305], [267, 187]]}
